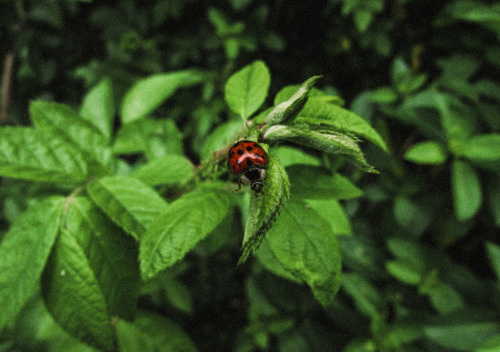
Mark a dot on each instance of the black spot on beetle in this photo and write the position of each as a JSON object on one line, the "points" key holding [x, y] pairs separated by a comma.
{"points": [[249, 148], [240, 152], [231, 154]]}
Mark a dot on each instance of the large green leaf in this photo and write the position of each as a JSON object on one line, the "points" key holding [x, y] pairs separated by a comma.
{"points": [[150, 333], [303, 243], [316, 111], [246, 90], [467, 196], [149, 93], [23, 253], [265, 207], [98, 107], [92, 275], [167, 170], [130, 203], [180, 227], [36, 155], [63, 121]]}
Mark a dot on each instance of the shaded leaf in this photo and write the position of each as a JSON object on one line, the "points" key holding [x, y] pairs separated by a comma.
{"points": [[150, 332], [179, 228]]}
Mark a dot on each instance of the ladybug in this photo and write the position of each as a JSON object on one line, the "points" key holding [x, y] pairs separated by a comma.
{"points": [[248, 160]]}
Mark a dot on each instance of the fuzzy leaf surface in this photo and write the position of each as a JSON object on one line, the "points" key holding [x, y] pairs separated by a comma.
{"points": [[23, 253], [329, 142], [317, 111], [35, 155], [180, 227], [265, 207], [149, 93], [130, 203], [246, 90]]}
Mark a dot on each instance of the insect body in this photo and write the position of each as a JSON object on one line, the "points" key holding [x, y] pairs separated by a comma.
{"points": [[248, 160]]}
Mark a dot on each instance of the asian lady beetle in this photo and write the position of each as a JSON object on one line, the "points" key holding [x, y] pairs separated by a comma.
{"points": [[248, 160]]}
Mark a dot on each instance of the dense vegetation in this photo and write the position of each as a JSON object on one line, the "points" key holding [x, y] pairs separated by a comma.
{"points": [[377, 227]]}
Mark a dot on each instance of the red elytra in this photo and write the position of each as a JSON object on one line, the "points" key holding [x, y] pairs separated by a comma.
{"points": [[248, 160]]}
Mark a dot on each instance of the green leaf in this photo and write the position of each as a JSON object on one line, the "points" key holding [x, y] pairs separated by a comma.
{"points": [[429, 152], [23, 253], [149, 93], [289, 156], [168, 170], [484, 147], [246, 90], [288, 110], [63, 121], [493, 192], [490, 345], [223, 136], [467, 197], [98, 107], [150, 333], [317, 183], [384, 95], [461, 336], [333, 212], [131, 204], [156, 138], [269, 261], [302, 241], [265, 207], [36, 155], [318, 112], [366, 297], [180, 227], [404, 271], [92, 275], [494, 257], [329, 142], [444, 298]]}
